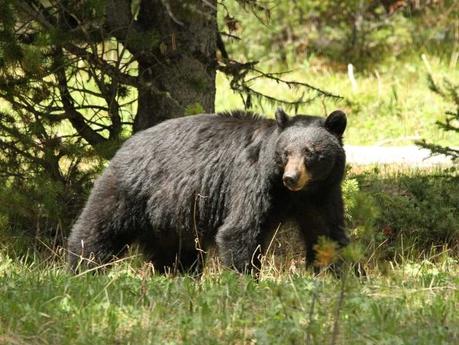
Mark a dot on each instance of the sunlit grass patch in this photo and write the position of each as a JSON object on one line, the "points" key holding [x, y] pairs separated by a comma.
{"points": [[390, 106]]}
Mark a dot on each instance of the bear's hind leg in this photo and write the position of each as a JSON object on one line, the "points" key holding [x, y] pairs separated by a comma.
{"points": [[191, 262], [170, 257], [89, 249], [240, 248], [104, 229]]}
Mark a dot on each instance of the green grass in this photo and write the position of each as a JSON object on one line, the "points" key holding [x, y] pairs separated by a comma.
{"points": [[409, 295], [411, 303], [395, 108]]}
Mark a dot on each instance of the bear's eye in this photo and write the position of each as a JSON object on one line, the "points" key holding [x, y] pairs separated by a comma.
{"points": [[280, 159], [307, 151], [285, 154]]}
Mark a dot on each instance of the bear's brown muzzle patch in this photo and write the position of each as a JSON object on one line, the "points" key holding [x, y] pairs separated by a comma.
{"points": [[295, 175]]}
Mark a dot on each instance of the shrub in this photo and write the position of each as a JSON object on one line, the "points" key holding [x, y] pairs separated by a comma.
{"points": [[417, 209]]}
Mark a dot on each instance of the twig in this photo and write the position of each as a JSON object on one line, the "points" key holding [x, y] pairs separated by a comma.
{"points": [[311, 312], [338, 310], [169, 12]]}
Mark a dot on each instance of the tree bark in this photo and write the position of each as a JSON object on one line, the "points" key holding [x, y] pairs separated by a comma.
{"points": [[182, 65]]}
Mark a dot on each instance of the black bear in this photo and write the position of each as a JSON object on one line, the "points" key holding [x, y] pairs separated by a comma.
{"points": [[229, 179]]}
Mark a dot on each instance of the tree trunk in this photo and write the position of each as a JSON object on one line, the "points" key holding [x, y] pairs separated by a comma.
{"points": [[182, 65]]}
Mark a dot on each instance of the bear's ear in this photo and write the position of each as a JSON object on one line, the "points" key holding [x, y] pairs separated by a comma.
{"points": [[336, 122], [281, 118]]}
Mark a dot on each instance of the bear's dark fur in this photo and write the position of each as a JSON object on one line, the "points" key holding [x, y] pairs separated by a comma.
{"points": [[228, 179]]}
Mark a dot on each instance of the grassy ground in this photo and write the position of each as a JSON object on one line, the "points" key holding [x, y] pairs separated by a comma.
{"points": [[400, 303], [408, 296], [390, 106]]}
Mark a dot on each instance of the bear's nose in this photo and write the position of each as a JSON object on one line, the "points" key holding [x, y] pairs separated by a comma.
{"points": [[290, 179]]}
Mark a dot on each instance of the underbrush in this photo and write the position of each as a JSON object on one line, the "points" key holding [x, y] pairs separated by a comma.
{"points": [[409, 211]]}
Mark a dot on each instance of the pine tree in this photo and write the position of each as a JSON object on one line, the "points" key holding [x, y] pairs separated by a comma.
{"points": [[450, 92], [78, 77]]}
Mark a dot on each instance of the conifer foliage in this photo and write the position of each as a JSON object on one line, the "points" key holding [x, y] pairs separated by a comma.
{"points": [[76, 78], [450, 92]]}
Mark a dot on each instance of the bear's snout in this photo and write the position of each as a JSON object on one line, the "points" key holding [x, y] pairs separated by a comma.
{"points": [[295, 175], [290, 180]]}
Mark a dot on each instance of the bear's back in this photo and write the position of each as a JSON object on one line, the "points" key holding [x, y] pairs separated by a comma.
{"points": [[186, 161]]}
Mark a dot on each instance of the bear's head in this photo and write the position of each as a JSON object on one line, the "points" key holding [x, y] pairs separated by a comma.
{"points": [[309, 149]]}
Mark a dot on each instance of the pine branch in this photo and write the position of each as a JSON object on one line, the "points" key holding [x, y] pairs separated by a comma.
{"points": [[450, 124], [435, 149], [240, 82], [75, 117]]}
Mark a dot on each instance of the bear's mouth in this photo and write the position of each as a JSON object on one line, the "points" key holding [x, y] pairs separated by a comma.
{"points": [[296, 182], [293, 187]]}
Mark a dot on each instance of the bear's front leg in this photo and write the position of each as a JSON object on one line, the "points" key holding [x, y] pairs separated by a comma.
{"points": [[239, 248], [332, 210], [311, 227], [323, 218]]}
